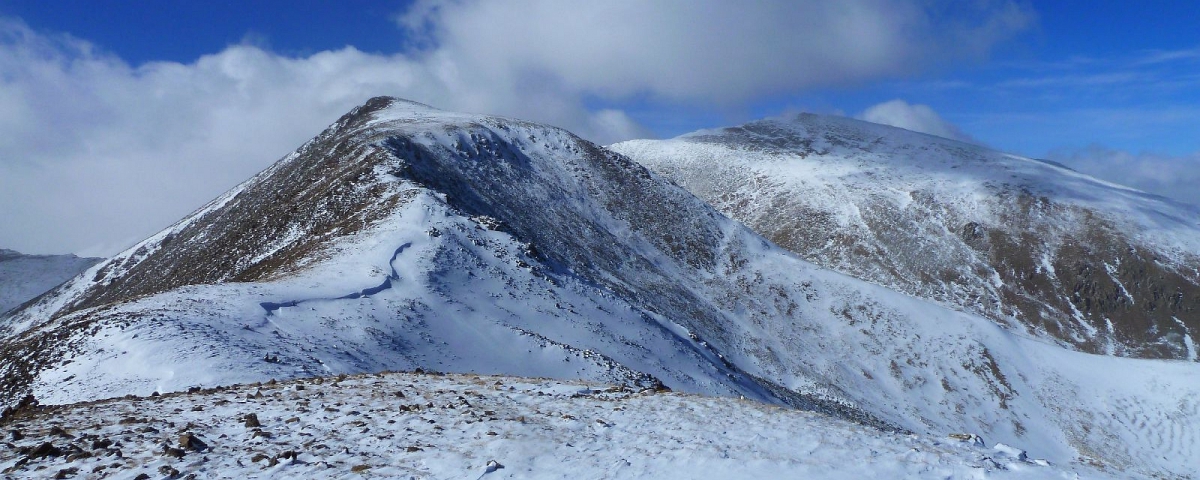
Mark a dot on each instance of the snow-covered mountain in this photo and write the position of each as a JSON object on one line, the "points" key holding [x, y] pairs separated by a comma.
{"points": [[406, 237], [23, 277], [1030, 244]]}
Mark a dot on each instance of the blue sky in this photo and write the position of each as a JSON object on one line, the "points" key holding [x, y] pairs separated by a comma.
{"points": [[108, 103]]}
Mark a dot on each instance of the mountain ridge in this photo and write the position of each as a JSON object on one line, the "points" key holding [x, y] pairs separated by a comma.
{"points": [[1095, 265], [24, 277], [480, 244]]}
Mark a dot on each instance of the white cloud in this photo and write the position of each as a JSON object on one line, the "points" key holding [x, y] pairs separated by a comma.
{"points": [[1171, 176], [96, 153], [918, 118], [711, 51]]}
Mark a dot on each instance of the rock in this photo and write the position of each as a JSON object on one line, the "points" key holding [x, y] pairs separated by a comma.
{"points": [[492, 466], [66, 473], [188, 441], [59, 432], [252, 420], [168, 471], [46, 449], [16, 435], [1011, 451], [969, 438], [142, 476], [173, 452], [413, 449], [360, 468]]}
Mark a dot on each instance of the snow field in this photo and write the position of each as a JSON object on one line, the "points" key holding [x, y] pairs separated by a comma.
{"points": [[424, 426]]}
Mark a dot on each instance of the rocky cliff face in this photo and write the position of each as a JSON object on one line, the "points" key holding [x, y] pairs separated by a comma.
{"points": [[1031, 245]]}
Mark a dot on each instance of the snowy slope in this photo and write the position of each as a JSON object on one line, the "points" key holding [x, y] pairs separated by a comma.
{"points": [[1029, 244], [407, 237], [422, 426], [23, 277]]}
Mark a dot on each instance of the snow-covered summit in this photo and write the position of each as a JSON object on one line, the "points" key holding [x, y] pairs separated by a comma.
{"points": [[403, 237], [1031, 245]]}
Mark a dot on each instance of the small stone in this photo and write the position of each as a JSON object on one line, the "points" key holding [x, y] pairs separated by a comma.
{"points": [[46, 449], [252, 420], [16, 435], [66, 473], [59, 432], [168, 471], [142, 476], [413, 449], [492, 466], [360, 468], [173, 452], [187, 441]]}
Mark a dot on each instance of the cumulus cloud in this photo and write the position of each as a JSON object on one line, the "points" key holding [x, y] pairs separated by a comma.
{"points": [[97, 153], [707, 50], [918, 118], [1171, 176]]}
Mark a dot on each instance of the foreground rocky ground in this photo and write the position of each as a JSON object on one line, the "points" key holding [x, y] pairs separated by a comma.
{"points": [[417, 425]]}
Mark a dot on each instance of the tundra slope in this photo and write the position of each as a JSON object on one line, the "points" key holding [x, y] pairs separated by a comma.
{"points": [[1030, 244], [406, 237]]}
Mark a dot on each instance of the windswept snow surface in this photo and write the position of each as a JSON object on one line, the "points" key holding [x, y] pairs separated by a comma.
{"points": [[1034, 246], [479, 427], [23, 277], [493, 245]]}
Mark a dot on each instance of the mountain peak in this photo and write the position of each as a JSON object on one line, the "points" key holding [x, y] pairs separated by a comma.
{"points": [[404, 237]]}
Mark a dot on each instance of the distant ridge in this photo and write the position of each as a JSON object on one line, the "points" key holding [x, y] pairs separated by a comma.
{"points": [[1028, 243]]}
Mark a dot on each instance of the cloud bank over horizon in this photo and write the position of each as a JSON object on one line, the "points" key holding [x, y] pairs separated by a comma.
{"points": [[99, 153], [1173, 176]]}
